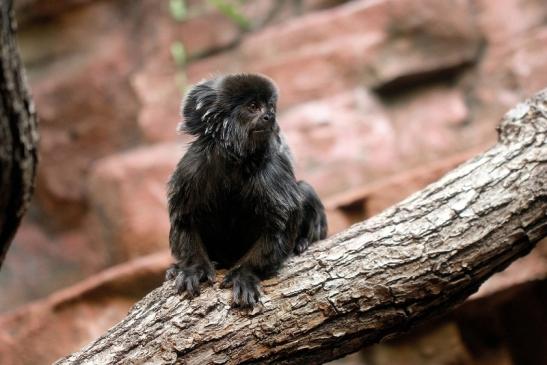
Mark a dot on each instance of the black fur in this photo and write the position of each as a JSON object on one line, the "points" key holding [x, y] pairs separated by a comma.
{"points": [[233, 198]]}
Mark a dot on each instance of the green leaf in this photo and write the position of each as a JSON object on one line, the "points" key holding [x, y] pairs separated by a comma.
{"points": [[178, 9], [232, 12], [178, 53]]}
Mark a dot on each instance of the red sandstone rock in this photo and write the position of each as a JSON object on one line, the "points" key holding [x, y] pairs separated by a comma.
{"points": [[129, 200], [85, 103], [38, 264], [423, 38], [158, 81], [528, 268], [327, 52], [434, 344], [508, 73], [520, 66], [501, 21], [339, 142], [309, 32], [354, 205], [350, 139], [160, 111], [429, 123], [203, 30], [160, 84], [42, 332], [331, 68], [370, 42]]}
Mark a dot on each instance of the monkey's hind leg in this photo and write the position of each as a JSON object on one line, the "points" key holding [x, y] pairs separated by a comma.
{"points": [[313, 226]]}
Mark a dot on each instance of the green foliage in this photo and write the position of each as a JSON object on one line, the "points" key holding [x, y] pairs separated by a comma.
{"points": [[178, 9], [178, 52], [232, 11]]}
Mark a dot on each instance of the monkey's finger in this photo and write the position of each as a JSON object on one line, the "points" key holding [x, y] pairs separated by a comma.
{"points": [[179, 283], [210, 278], [236, 296], [187, 282], [227, 282], [254, 294], [207, 276], [246, 294], [249, 297], [192, 285]]}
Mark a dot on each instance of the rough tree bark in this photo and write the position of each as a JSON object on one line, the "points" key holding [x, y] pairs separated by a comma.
{"points": [[415, 260], [18, 133]]}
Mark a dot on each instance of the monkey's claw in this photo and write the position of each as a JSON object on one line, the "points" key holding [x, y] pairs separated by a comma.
{"points": [[188, 279], [301, 246], [245, 287]]}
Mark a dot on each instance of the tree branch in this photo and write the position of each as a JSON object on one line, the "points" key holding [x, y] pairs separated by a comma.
{"points": [[415, 260], [18, 134]]}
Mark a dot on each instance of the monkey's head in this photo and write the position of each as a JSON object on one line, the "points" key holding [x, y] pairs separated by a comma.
{"points": [[236, 111]]}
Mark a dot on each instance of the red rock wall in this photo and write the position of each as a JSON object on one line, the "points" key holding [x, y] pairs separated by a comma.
{"points": [[370, 89], [378, 98]]}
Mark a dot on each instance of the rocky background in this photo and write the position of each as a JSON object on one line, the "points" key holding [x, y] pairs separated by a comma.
{"points": [[378, 98]]}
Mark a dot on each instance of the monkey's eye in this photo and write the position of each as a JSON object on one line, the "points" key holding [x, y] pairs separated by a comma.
{"points": [[253, 107]]}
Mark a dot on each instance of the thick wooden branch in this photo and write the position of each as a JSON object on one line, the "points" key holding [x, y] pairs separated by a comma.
{"points": [[415, 260], [18, 133]]}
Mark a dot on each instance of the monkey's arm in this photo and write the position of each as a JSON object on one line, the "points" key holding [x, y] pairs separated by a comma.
{"points": [[192, 264]]}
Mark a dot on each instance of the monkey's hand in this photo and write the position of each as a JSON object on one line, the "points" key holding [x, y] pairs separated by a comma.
{"points": [[245, 287], [188, 279]]}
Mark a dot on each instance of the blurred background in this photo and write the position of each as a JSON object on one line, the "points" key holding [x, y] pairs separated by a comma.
{"points": [[378, 99]]}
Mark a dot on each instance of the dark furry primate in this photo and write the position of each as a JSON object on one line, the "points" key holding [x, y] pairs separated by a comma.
{"points": [[233, 199]]}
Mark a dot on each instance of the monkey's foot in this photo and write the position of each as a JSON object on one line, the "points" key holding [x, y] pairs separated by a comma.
{"points": [[188, 279], [245, 287], [301, 245]]}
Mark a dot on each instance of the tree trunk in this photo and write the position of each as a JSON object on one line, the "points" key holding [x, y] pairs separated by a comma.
{"points": [[18, 134], [415, 260]]}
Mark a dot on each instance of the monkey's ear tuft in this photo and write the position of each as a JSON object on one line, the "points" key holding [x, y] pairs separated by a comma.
{"points": [[199, 102]]}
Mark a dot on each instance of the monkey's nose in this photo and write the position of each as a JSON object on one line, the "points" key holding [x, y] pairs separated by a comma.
{"points": [[268, 117]]}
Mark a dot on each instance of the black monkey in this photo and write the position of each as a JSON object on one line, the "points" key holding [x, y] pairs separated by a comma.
{"points": [[233, 198]]}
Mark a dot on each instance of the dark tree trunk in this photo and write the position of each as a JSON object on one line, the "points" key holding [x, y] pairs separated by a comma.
{"points": [[415, 260], [18, 133]]}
